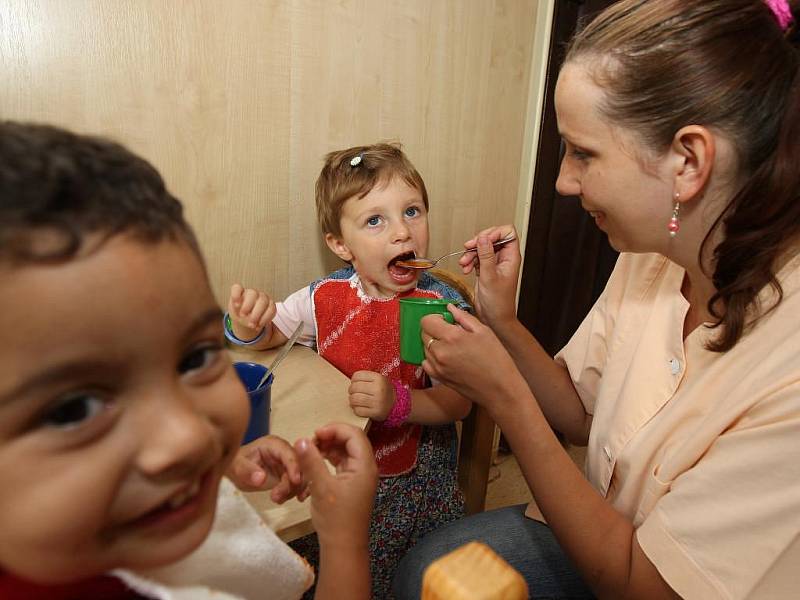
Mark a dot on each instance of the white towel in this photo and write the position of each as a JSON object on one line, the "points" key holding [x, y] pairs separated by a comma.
{"points": [[242, 558]]}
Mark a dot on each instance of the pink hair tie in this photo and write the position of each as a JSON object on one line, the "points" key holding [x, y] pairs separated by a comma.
{"points": [[782, 12]]}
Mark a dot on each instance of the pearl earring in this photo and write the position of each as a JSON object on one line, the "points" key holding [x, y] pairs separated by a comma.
{"points": [[674, 225]]}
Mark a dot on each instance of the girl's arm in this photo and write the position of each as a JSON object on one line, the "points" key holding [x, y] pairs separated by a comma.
{"points": [[438, 405], [376, 397], [249, 320]]}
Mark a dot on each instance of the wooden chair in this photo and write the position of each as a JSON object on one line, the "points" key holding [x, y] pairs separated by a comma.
{"points": [[476, 446], [475, 454]]}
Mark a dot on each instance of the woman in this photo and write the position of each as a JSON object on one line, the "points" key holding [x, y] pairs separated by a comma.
{"points": [[681, 121]]}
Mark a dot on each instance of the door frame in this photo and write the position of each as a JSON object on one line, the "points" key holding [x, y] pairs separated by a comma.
{"points": [[567, 259]]}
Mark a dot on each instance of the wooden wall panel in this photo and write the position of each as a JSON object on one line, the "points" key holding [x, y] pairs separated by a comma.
{"points": [[237, 102]]}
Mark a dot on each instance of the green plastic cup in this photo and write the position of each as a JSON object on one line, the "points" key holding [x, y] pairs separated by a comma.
{"points": [[411, 311]]}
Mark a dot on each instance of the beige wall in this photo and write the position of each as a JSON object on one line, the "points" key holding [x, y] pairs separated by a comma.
{"points": [[236, 103]]}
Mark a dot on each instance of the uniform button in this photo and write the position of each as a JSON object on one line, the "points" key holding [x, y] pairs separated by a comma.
{"points": [[675, 366], [607, 450]]}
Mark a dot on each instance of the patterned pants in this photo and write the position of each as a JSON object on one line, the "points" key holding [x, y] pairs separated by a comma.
{"points": [[406, 508]]}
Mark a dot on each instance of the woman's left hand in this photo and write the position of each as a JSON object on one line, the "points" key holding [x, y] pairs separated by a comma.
{"points": [[467, 357]]}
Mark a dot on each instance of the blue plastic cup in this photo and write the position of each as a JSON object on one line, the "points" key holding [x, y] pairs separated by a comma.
{"points": [[260, 398]]}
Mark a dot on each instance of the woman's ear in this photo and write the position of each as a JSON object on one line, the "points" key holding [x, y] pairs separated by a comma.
{"points": [[695, 149], [338, 247]]}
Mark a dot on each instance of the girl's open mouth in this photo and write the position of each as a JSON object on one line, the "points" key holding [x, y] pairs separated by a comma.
{"points": [[400, 274]]}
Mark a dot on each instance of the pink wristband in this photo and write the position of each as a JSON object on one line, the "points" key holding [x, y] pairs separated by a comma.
{"points": [[402, 405]]}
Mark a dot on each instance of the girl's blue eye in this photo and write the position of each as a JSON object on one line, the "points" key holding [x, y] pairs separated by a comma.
{"points": [[373, 221], [74, 411], [412, 211], [199, 358]]}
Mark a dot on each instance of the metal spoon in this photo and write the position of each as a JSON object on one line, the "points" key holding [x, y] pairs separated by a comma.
{"points": [[281, 355], [428, 263]]}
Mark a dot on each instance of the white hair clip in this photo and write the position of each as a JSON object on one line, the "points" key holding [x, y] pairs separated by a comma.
{"points": [[356, 160]]}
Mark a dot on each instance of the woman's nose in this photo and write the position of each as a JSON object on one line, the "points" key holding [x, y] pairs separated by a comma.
{"points": [[177, 438], [567, 184]]}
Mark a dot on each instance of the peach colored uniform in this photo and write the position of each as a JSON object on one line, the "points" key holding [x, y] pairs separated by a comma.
{"points": [[700, 450]]}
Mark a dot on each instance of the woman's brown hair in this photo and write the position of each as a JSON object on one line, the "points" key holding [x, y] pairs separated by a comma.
{"points": [[726, 64]]}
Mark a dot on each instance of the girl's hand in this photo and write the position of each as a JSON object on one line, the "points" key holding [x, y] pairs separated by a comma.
{"points": [[497, 274], [469, 358], [268, 463], [341, 504], [250, 310], [371, 395]]}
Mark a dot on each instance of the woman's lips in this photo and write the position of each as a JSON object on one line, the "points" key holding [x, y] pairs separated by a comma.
{"points": [[598, 216]]}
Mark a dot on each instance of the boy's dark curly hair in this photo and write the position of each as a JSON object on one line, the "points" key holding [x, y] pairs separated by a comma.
{"points": [[61, 187]]}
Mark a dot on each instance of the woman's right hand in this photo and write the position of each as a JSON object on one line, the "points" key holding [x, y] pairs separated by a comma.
{"points": [[497, 273], [341, 504], [251, 310]]}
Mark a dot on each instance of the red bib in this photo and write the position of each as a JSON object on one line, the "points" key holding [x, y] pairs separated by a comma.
{"points": [[358, 333]]}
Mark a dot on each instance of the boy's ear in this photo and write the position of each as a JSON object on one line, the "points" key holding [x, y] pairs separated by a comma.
{"points": [[338, 247], [695, 149]]}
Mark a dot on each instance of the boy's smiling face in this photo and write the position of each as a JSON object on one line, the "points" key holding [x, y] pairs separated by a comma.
{"points": [[119, 410], [389, 222]]}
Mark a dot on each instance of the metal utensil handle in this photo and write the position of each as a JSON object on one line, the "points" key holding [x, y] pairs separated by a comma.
{"points": [[495, 245], [282, 354]]}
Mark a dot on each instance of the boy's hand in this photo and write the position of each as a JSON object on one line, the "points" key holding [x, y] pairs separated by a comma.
{"points": [[371, 395], [268, 463], [251, 311], [341, 504]]}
